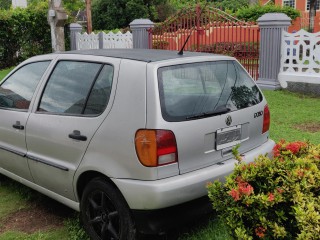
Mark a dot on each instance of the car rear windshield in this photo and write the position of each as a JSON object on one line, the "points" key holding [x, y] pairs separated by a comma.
{"points": [[204, 89]]}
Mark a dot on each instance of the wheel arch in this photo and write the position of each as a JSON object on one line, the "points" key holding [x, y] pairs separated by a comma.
{"points": [[88, 176]]}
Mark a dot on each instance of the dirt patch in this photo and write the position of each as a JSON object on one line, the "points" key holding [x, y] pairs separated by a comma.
{"points": [[308, 127], [37, 217]]}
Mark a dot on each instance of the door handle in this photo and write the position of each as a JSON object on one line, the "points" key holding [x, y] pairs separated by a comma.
{"points": [[18, 125], [77, 136]]}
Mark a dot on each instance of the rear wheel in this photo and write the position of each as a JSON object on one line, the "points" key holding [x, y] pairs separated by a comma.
{"points": [[105, 213]]}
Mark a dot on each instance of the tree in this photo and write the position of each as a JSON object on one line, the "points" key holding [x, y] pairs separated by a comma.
{"points": [[69, 5], [111, 14], [312, 14], [136, 9], [5, 4], [232, 5]]}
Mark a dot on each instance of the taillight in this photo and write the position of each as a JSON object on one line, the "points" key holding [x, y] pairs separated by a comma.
{"points": [[156, 147], [266, 119]]}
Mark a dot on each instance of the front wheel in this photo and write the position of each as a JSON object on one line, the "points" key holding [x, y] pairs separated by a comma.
{"points": [[104, 212]]}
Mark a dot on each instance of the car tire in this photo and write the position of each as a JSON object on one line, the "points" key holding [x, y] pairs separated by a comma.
{"points": [[105, 213]]}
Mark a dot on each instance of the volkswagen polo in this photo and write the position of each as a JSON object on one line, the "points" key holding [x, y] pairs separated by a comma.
{"points": [[129, 137]]}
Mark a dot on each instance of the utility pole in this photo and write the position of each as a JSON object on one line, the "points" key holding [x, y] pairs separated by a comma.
{"points": [[89, 19], [312, 14], [57, 17]]}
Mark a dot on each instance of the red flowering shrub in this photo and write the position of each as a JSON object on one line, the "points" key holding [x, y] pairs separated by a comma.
{"points": [[273, 198]]}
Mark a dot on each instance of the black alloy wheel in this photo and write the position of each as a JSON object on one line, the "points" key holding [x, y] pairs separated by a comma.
{"points": [[105, 213]]}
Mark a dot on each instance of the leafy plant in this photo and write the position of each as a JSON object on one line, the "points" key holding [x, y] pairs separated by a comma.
{"points": [[75, 230], [273, 198], [23, 33], [254, 12]]}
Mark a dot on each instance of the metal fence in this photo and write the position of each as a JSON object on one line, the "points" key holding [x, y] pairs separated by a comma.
{"points": [[210, 30]]}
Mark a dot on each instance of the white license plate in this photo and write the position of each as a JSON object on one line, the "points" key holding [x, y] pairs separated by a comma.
{"points": [[228, 137]]}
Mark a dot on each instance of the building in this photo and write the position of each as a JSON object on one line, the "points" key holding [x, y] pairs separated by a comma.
{"points": [[19, 3], [303, 6]]}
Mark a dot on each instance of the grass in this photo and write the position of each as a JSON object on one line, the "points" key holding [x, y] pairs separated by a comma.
{"points": [[4, 73], [10, 200], [288, 110], [49, 235]]}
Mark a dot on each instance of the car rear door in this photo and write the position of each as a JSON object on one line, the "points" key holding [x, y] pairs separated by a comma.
{"points": [[74, 102], [211, 106], [16, 94]]}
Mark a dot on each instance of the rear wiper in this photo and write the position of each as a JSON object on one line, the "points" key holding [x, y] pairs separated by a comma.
{"points": [[219, 111]]}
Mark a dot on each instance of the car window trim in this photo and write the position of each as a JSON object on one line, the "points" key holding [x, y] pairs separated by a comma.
{"points": [[91, 87]]}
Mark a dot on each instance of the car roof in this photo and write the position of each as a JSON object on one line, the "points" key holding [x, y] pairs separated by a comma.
{"points": [[145, 55]]}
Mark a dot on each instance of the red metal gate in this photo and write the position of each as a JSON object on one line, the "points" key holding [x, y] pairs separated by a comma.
{"points": [[211, 30]]}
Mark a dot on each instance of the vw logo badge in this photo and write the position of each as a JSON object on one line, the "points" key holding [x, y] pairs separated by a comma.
{"points": [[228, 120]]}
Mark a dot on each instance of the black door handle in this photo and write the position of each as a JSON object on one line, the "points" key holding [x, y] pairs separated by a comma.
{"points": [[77, 136], [18, 125]]}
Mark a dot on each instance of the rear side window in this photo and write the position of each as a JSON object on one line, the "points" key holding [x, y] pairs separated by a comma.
{"points": [[198, 90], [77, 88]]}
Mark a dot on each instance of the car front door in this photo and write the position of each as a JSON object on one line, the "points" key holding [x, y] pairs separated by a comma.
{"points": [[16, 94], [73, 104]]}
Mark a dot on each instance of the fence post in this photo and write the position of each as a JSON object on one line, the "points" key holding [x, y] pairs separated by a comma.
{"points": [[74, 28], [140, 33], [271, 27], [101, 43]]}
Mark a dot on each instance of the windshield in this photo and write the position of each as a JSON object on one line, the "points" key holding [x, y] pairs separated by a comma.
{"points": [[204, 89]]}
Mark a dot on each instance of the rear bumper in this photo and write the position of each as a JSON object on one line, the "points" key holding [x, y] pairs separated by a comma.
{"points": [[161, 220], [164, 193]]}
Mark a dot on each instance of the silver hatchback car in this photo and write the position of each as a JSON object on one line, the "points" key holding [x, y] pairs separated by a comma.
{"points": [[129, 137]]}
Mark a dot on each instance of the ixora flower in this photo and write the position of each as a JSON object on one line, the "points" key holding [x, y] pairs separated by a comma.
{"points": [[270, 197], [260, 231], [293, 147], [243, 188], [257, 199]]}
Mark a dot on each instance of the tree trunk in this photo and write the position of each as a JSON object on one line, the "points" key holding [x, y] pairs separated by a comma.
{"points": [[312, 14]]}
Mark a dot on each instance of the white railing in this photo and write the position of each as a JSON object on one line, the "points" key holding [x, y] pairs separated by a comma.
{"points": [[87, 41], [103, 40], [300, 58]]}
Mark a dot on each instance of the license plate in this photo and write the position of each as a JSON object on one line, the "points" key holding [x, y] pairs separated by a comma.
{"points": [[228, 137]]}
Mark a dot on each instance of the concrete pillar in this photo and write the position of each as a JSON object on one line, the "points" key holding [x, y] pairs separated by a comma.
{"points": [[74, 29], [271, 27], [57, 17], [140, 33]]}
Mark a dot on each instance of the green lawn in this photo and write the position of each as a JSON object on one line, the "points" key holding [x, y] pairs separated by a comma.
{"points": [[4, 72], [293, 117]]}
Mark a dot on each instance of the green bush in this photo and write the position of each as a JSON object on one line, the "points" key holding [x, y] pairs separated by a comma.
{"points": [[273, 199], [23, 33], [254, 12]]}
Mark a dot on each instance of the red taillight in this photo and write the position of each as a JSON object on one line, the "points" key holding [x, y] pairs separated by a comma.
{"points": [[266, 119], [156, 147]]}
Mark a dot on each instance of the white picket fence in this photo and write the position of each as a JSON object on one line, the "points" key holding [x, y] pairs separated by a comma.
{"points": [[300, 58], [103, 40]]}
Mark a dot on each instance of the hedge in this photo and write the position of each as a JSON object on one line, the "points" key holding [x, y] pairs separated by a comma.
{"points": [[252, 13], [23, 33]]}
